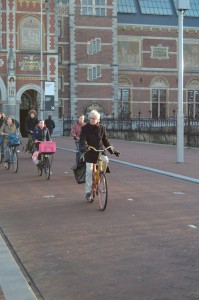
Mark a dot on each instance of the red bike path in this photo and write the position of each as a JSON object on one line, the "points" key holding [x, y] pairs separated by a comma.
{"points": [[144, 246]]}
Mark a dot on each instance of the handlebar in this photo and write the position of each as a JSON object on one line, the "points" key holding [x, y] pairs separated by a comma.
{"points": [[41, 141], [100, 150], [7, 134]]}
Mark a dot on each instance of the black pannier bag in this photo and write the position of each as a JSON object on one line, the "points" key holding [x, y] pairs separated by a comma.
{"points": [[79, 170]]}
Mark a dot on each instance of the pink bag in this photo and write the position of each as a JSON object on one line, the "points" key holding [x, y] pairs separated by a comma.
{"points": [[47, 147]]}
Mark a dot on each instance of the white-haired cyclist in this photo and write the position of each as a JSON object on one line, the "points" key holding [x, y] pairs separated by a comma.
{"points": [[93, 134]]}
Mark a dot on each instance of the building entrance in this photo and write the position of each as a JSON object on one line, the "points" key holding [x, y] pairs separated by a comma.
{"points": [[28, 102]]}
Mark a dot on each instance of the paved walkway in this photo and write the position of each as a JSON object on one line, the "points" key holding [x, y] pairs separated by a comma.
{"points": [[56, 237]]}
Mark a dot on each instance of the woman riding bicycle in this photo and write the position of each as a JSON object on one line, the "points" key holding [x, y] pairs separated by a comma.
{"points": [[7, 128], [40, 134], [93, 134]]}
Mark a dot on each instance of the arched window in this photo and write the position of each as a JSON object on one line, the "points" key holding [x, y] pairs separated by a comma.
{"points": [[124, 95], [30, 35]]}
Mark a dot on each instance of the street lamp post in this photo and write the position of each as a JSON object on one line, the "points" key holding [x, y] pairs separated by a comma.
{"points": [[182, 5], [41, 60]]}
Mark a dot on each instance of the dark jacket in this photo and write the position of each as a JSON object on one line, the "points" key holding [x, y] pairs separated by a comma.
{"points": [[41, 134], [30, 123], [50, 124], [93, 135]]}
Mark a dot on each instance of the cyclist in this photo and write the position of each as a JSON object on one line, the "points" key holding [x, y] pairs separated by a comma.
{"points": [[93, 134], [30, 123], [7, 127], [40, 134]]}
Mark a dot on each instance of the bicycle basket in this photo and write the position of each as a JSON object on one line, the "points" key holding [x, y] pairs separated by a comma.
{"points": [[13, 139], [47, 147]]}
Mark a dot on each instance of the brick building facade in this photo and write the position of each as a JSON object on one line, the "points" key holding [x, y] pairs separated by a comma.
{"points": [[122, 64]]}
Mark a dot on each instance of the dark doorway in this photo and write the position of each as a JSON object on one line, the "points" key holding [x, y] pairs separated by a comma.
{"points": [[28, 102]]}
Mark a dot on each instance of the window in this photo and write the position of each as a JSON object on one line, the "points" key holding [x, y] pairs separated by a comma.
{"points": [[59, 31], [60, 108], [59, 55], [94, 72], [62, 1], [60, 82], [93, 7], [126, 6], [193, 104], [94, 46], [158, 103], [123, 102], [155, 7]]}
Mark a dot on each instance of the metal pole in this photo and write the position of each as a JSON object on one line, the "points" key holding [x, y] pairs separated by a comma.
{"points": [[41, 62], [180, 116]]}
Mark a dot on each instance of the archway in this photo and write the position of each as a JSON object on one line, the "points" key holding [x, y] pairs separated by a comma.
{"points": [[28, 102]]}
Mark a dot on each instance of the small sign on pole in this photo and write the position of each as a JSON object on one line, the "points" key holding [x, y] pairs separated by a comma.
{"points": [[49, 95]]}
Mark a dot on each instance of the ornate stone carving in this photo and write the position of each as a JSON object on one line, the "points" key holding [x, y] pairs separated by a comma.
{"points": [[30, 63], [159, 52]]}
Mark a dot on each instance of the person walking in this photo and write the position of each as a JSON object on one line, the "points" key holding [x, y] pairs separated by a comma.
{"points": [[76, 130], [50, 124], [93, 134], [30, 123]]}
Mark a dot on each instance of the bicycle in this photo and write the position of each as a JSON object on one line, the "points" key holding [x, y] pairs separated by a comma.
{"points": [[13, 158], [12, 149], [46, 149], [99, 181]]}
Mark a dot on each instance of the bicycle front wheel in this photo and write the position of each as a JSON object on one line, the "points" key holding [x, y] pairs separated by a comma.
{"points": [[15, 161], [102, 191], [47, 168]]}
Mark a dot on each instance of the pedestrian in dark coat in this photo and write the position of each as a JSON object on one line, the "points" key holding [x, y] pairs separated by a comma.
{"points": [[50, 124]]}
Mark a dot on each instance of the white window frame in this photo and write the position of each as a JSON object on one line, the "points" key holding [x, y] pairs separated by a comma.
{"points": [[93, 7], [94, 72], [94, 46]]}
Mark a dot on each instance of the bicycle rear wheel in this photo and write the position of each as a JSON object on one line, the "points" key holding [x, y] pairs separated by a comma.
{"points": [[14, 161], [102, 191], [47, 168]]}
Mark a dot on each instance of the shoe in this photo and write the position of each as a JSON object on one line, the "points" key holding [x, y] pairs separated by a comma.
{"points": [[88, 197], [6, 165]]}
